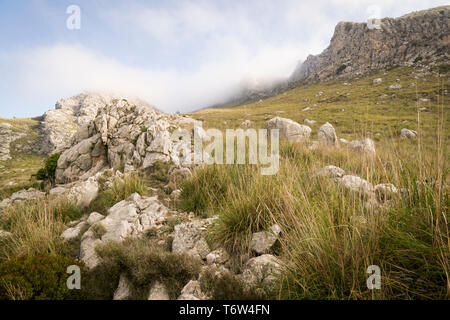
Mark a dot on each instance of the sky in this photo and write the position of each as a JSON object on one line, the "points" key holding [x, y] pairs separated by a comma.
{"points": [[177, 55]]}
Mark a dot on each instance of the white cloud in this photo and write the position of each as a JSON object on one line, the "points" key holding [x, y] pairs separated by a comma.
{"points": [[65, 68]]}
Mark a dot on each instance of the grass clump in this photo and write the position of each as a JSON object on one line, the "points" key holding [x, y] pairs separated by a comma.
{"points": [[36, 226], [120, 190]]}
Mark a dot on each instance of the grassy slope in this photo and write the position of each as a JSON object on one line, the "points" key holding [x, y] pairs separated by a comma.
{"points": [[23, 164], [362, 110], [325, 245]]}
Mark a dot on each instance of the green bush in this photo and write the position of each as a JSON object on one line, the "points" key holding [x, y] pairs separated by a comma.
{"points": [[47, 173], [41, 277]]}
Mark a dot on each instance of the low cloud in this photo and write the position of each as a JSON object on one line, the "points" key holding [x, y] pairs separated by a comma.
{"points": [[64, 68]]}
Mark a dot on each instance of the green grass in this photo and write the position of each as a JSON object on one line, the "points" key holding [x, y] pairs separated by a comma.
{"points": [[120, 190], [325, 246]]}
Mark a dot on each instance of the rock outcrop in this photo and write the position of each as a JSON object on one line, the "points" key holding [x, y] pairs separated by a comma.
{"points": [[7, 135], [122, 136], [355, 49], [60, 124]]}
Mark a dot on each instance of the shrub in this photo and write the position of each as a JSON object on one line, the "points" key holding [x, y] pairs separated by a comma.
{"points": [[340, 69], [47, 173], [41, 277], [143, 262]]}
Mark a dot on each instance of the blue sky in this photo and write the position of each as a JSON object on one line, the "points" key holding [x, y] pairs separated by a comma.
{"points": [[178, 55]]}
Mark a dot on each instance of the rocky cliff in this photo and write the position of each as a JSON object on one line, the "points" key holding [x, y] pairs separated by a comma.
{"points": [[355, 49]]}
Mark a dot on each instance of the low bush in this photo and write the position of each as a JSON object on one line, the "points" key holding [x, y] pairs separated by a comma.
{"points": [[143, 262], [41, 277]]}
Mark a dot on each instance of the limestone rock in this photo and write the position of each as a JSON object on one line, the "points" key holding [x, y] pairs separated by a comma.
{"points": [[407, 133], [84, 192], [289, 129], [377, 81], [94, 217], [331, 172], [192, 291], [356, 183], [327, 135], [158, 291], [74, 232], [189, 238], [219, 256], [123, 291], [22, 196], [262, 269]]}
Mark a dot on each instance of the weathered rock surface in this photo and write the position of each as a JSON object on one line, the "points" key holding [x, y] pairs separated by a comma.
{"points": [[289, 129], [190, 238], [130, 217], [158, 291], [122, 136], [356, 183], [261, 270], [60, 124], [331, 172], [192, 291], [123, 291], [407, 133], [355, 49], [22, 196], [74, 232], [327, 135], [263, 241]]}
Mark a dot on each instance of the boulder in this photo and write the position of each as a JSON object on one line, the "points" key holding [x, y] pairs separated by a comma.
{"points": [[84, 192], [128, 218], [356, 183], [261, 270], [331, 172], [22, 196], [327, 135], [407, 133], [262, 242], [377, 81], [289, 129]]}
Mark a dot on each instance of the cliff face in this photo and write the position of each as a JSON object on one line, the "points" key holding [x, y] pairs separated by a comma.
{"points": [[418, 37]]}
